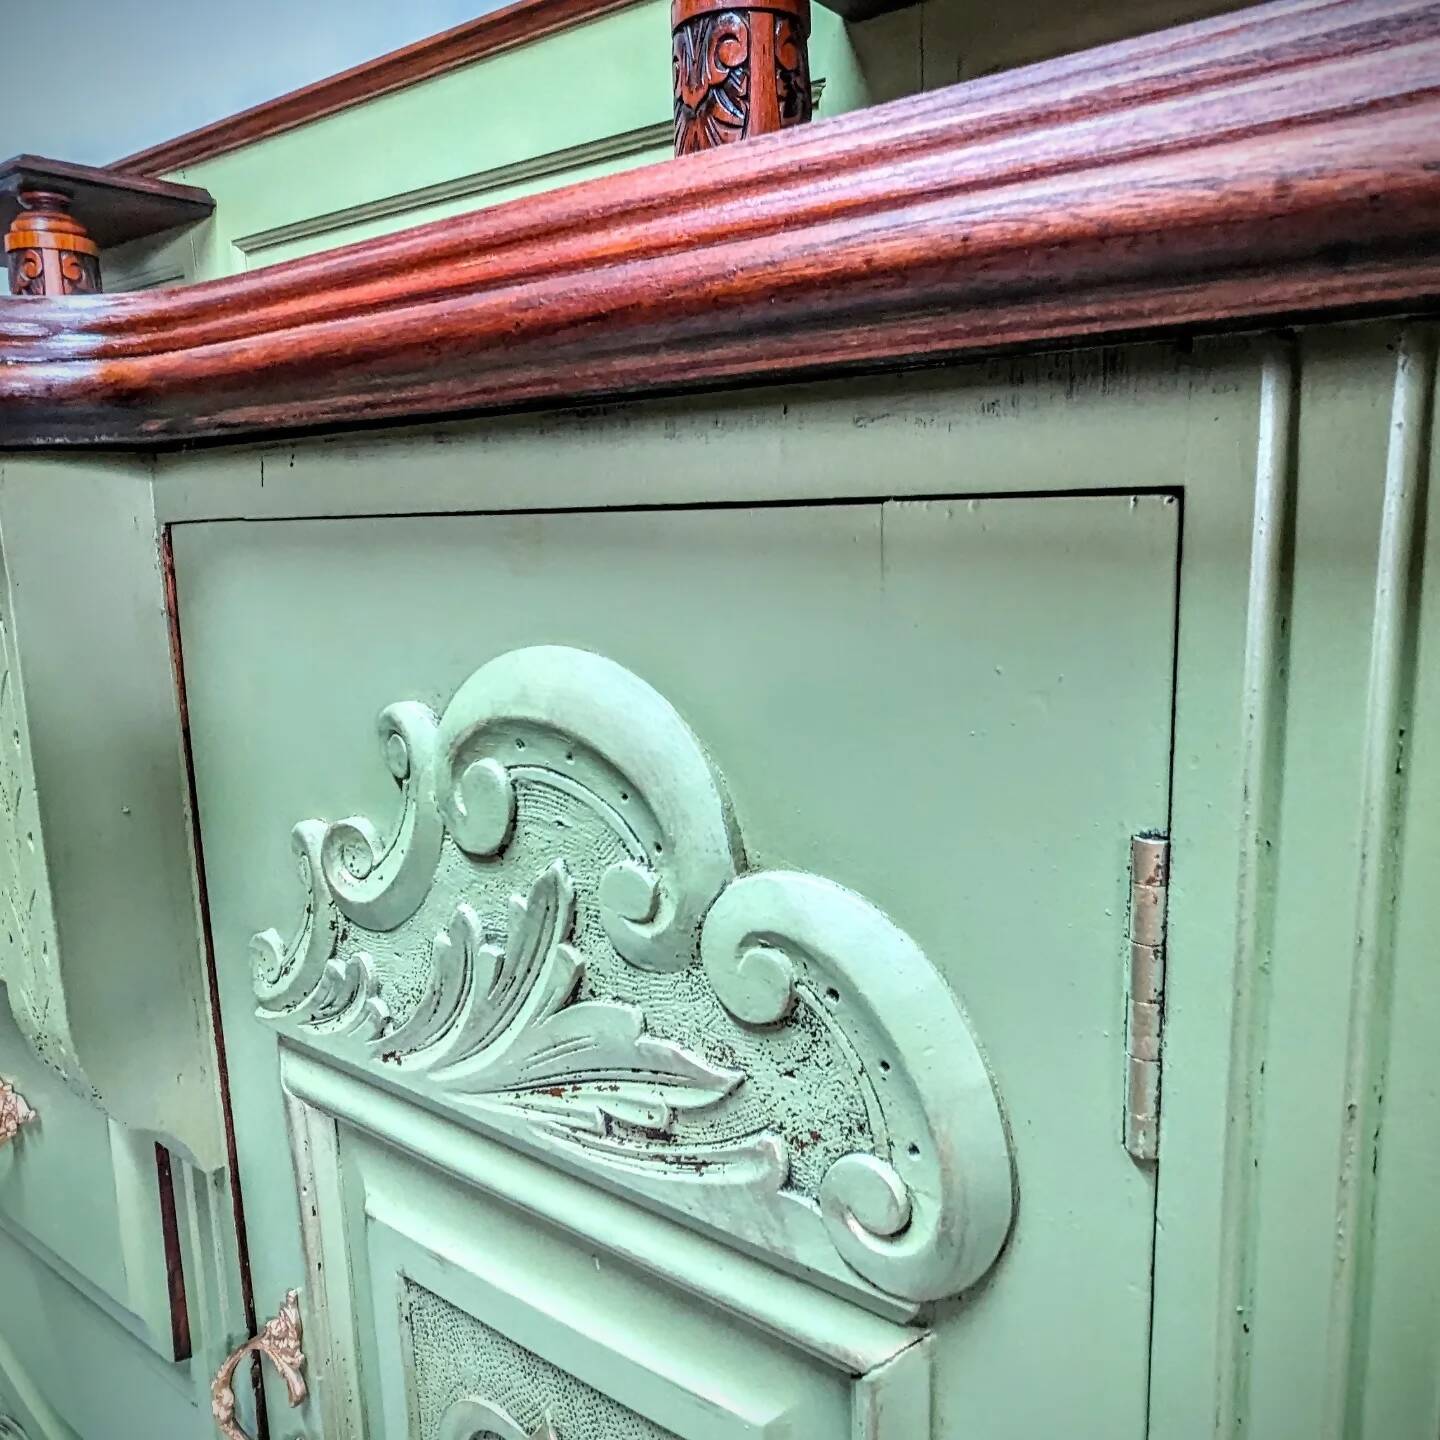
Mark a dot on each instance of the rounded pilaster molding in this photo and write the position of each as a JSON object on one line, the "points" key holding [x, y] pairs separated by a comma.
{"points": [[739, 70]]}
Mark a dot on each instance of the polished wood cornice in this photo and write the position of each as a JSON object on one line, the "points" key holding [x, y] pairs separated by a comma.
{"points": [[115, 208], [504, 29], [1280, 163]]}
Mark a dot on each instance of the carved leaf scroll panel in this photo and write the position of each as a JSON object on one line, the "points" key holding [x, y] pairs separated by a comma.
{"points": [[561, 942]]}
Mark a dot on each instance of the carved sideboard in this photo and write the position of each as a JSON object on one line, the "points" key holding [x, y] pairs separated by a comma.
{"points": [[592, 851]]}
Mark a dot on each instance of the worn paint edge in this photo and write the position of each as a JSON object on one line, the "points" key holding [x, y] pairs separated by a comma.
{"points": [[1388, 698], [893, 1401], [1264, 698], [331, 1322]]}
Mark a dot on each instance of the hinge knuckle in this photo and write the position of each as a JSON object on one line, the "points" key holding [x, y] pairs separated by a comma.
{"points": [[1149, 890]]}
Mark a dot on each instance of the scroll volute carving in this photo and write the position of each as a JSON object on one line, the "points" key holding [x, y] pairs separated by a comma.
{"points": [[560, 940], [739, 70], [48, 251]]}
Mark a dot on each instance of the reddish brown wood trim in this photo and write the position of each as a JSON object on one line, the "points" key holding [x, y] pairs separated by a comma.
{"points": [[516, 24], [47, 250], [1282, 162], [180, 1341], [113, 208]]}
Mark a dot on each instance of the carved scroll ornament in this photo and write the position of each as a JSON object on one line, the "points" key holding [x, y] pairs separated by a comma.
{"points": [[48, 251], [560, 941], [739, 70], [278, 1342]]}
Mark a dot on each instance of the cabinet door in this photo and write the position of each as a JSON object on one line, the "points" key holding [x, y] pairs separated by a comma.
{"points": [[957, 709]]}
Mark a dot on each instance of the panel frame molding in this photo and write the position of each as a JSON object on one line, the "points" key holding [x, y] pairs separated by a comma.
{"points": [[36, 1420], [889, 1362]]}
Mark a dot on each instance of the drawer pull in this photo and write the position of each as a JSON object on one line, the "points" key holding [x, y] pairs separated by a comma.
{"points": [[471, 1419], [14, 1113], [279, 1342]]}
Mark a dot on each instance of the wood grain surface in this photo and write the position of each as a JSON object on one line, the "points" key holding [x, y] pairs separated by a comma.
{"points": [[1279, 163]]}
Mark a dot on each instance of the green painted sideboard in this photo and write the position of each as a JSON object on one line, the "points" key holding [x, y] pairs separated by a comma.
{"points": [[627, 921]]}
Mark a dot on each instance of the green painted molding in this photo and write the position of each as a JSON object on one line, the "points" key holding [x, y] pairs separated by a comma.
{"points": [[537, 172]]}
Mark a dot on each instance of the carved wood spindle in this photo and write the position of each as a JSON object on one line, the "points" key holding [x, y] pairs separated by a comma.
{"points": [[739, 70], [48, 251]]}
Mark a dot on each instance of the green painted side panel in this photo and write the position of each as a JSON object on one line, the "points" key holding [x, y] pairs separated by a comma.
{"points": [[74, 1186], [836, 653], [69, 1372]]}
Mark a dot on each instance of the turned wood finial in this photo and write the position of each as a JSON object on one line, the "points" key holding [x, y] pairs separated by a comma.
{"points": [[739, 70], [48, 251]]}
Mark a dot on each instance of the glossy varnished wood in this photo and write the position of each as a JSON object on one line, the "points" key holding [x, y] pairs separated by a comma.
{"points": [[1283, 162], [114, 208]]}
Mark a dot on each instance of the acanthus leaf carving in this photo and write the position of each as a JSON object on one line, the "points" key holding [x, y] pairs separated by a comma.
{"points": [[499, 1023], [580, 962]]}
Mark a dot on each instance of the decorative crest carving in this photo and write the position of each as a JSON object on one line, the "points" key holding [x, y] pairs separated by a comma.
{"points": [[562, 943]]}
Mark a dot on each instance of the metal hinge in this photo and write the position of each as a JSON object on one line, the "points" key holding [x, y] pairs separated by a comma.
{"points": [[1145, 1011]]}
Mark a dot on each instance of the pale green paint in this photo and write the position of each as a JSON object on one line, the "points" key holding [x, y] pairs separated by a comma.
{"points": [[1001, 426], [75, 1188], [85, 601], [1403, 1379], [685, 1366], [298, 633], [117, 1002], [897, 667], [421, 594], [81, 1366], [519, 836]]}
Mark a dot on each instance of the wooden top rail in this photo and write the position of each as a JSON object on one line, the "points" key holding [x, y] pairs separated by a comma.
{"points": [[1279, 163]]}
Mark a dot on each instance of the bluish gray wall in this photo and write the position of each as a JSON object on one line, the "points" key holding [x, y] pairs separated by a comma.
{"points": [[133, 72]]}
